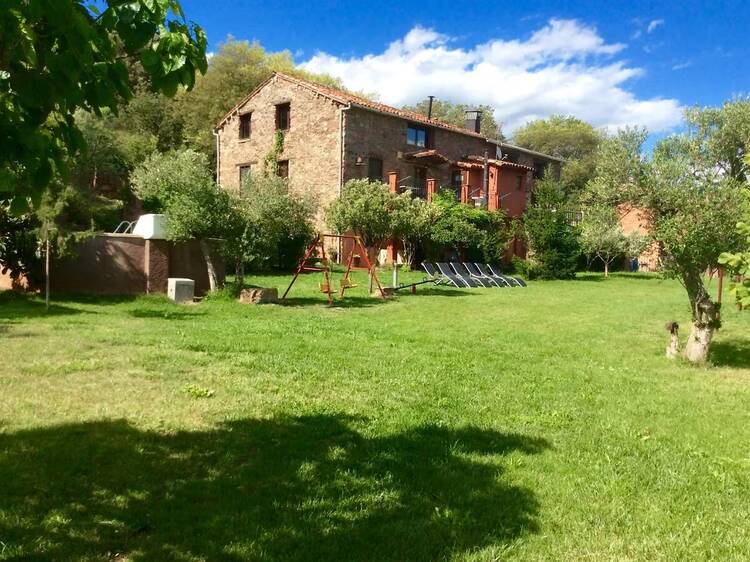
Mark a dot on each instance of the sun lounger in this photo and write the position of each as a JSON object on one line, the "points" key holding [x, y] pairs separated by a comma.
{"points": [[485, 269], [433, 274], [518, 280], [464, 273], [474, 272], [457, 280]]}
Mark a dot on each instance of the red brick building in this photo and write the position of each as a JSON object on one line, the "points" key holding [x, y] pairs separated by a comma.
{"points": [[331, 136]]}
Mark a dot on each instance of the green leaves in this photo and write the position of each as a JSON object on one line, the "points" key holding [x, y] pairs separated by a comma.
{"points": [[738, 263], [63, 55]]}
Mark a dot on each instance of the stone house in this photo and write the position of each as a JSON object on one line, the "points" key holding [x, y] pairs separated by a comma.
{"points": [[330, 137]]}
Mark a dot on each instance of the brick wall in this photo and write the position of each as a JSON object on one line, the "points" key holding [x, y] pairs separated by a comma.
{"points": [[633, 219], [312, 143]]}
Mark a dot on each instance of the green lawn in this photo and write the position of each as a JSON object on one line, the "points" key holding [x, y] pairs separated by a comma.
{"points": [[516, 424]]}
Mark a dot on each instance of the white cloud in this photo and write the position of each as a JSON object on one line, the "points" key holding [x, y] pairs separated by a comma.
{"points": [[653, 25], [564, 67], [682, 65]]}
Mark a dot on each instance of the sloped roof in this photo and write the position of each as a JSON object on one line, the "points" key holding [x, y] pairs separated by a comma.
{"points": [[346, 98]]}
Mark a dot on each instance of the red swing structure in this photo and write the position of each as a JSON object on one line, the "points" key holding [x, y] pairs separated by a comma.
{"points": [[316, 253]]}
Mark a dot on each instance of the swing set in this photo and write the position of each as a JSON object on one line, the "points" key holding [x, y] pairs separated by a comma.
{"points": [[316, 259]]}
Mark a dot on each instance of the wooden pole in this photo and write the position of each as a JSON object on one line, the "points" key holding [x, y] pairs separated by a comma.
{"points": [[46, 275]]}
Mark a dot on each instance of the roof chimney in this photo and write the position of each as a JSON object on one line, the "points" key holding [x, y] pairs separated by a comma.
{"points": [[429, 107], [473, 120]]}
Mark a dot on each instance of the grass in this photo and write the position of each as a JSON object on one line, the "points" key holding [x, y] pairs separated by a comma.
{"points": [[515, 424]]}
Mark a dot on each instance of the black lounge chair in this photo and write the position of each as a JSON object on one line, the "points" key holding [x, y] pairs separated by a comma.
{"points": [[487, 270], [457, 280], [474, 272], [463, 272], [518, 280], [433, 274]]}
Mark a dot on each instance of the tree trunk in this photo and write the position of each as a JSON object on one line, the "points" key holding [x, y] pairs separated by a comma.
{"points": [[606, 269], [212, 280], [46, 275], [239, 274], [705, 319]]}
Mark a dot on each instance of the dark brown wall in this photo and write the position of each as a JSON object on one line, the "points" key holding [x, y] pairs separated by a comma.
{"points": [[126, 264], [104, 265], [186, 260]]}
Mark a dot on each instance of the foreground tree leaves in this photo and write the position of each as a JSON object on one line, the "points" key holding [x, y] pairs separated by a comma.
{"points": [[58, 56]]}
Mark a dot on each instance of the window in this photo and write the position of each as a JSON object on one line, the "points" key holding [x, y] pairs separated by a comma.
{"points": [[244, 174], [375, 169], [416, 136], [245, 125], [283, 111], [456, 180], [540, 169], [519, 182], [282, 168]]}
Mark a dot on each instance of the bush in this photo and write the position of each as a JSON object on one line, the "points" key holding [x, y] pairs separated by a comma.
{"points": [[273, 225], [553, 243], [479, 233]]}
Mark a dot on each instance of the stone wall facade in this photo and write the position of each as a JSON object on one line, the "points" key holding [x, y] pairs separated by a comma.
{"points": [[312, 143]]}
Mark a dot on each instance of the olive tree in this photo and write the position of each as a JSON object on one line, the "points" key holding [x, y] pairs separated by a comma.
{"points": [[602, 237], [692, 205], [180, 185], [271, 225], [365, 208]]}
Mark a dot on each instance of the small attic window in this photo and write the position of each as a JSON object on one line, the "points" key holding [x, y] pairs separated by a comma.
{"points": [[283, 114], [245, 125]]}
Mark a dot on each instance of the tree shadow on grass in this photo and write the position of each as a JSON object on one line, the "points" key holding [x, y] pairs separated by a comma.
{"points": [[22, 306], [731, 353], [346, 302], [172, 313], [304, 488]]}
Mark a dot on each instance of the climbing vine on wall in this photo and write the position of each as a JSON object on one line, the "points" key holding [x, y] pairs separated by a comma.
{"points": [[271, 160]]}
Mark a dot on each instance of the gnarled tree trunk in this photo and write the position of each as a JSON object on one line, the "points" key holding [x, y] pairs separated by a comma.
{"points": [[705, 319], [213, 281]]}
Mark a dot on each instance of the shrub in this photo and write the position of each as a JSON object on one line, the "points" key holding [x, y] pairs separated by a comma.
{"points": [[553, 243], [273, 225]]}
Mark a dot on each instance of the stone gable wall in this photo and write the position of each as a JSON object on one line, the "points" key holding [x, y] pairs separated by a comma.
{"points": [[312, 143]]}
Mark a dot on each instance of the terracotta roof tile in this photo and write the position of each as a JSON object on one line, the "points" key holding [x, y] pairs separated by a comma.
{"points": [[348, 98]]}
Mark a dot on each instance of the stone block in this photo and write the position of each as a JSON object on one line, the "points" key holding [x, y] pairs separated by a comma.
{"points": [[180, 290], [260, 295]]}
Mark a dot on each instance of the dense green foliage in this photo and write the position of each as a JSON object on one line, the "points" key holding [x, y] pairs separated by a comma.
{"points": [[180, 184], [455, 114], [365, 208], [565, 137], [275, 225], [62, 55], [464, 425], [470, 231], [553, 243], [720, 137], [377, 215]]}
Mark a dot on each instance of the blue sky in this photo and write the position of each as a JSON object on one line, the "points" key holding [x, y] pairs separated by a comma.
{"points": [[612, 64]]}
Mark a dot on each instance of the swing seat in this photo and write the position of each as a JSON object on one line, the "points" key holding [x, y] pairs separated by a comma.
{"points": [[325, 288], [347, 284]]}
